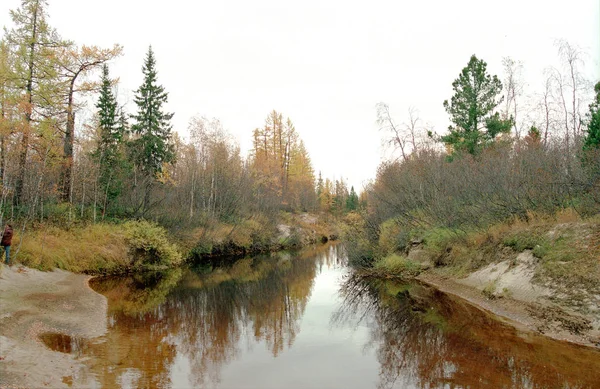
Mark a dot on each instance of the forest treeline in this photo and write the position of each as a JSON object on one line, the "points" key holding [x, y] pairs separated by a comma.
{"points": [[122, 164], [63, 178], [507, 155]]}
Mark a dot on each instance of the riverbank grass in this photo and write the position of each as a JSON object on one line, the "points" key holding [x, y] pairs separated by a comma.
{"points": [[96, 248], [566, 248], [397, 265]]}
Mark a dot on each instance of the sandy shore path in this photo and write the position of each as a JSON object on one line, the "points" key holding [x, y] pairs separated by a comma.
{"points": [[34, 302]]}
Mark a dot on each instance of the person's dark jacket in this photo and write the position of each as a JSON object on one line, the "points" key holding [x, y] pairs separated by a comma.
{"points": [[7, 237]]}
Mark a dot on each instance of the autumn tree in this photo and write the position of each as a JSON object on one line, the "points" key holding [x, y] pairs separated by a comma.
{"points": [[320, 185], [34, 45], [300, 179], [152, 128], [340, 196], [327, 196], [74, 64], [215, 171], [569, 83], [471, 109], [7, 105], [281, 165], [514, 90]]}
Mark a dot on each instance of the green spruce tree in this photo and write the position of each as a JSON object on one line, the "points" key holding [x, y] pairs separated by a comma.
{"points": [[471, 109], [152, 129], [110, 150], [591, 141], [352, 200], [592, 136]]}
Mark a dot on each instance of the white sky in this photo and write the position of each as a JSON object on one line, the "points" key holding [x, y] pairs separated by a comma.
{"points": [[323, 63]]}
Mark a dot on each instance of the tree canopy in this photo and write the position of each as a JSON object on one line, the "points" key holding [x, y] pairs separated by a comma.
{"points": [[471, 109], [151, 124], [592, 136]]}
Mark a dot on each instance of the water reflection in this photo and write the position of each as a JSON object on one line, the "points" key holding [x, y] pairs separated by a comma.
{"points": [[426, 339], [283, 321], [201, 324]]}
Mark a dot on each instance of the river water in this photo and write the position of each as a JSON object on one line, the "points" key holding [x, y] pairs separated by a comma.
{"points": [[305, 321]]}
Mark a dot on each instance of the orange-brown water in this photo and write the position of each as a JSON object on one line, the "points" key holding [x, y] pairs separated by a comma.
{"points": [[305, 322]]}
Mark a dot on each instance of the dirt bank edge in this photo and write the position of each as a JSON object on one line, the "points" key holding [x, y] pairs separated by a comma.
{"points": [[524, 315], [34, 302]]}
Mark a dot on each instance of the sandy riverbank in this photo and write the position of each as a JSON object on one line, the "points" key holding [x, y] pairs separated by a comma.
{"points": [[34, 302], [527, 313]]}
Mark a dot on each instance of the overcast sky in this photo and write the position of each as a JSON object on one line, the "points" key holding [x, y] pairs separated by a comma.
{"points": [[323, 63]]}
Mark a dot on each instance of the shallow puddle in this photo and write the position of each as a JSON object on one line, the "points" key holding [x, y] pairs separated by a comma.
{"points": [[64, 343]]}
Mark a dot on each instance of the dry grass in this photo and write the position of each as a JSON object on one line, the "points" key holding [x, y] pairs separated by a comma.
{"points": [[567, 247], [97, 247]]}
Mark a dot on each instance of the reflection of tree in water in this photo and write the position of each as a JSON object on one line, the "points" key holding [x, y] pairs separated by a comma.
{"points": [[204, 318], [135, 341], [428, 339], [267, 308]]}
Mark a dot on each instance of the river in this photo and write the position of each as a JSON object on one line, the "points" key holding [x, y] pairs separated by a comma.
{"points": [[306, 321]]}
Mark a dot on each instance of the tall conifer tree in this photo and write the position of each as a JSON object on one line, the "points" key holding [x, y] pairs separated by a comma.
{"points": [[109, 151], [471, 109], [152, 128], [592, 136]]}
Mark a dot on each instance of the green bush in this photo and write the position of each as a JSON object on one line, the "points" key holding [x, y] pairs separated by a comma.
{"points": [[397, 265], [392, 237], [540, 251], [439, 239], [149, 244], [525, 240]]}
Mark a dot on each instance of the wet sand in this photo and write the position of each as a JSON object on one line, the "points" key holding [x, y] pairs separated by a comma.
{"points": [[33, 303], [522, 314]]}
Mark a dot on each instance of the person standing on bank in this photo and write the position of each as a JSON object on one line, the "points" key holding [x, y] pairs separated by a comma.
{"points": [[6, 242]]}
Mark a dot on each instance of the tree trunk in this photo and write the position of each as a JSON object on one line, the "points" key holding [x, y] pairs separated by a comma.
{"points": [[192, 194], [147, 191], [67, 173], [25, 140], [2, 158]]}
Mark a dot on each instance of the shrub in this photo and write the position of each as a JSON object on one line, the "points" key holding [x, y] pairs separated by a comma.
{"points": [[397, 265], [357, 240], [440, 239], [489, 290], [524, 240], [392, 237], [149, 245]]}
